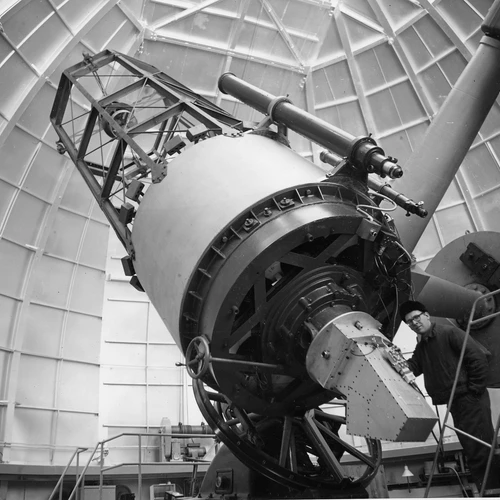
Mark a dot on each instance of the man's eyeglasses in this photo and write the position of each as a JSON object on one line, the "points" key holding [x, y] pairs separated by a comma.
{"points": [[413, 319]]}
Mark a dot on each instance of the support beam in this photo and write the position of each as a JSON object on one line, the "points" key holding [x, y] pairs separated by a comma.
{"points": [[403, 58], [282, 30], [182, 15], [356, 80], [215, 49], [236, 28]]}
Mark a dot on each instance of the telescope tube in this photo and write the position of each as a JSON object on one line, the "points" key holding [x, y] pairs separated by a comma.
{"points": [[362, 152]]}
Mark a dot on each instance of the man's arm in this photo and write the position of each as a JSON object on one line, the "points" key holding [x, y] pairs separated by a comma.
{"points": [[475, 361], [414, 364]]}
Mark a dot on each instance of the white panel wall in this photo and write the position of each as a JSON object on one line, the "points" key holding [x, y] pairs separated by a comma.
{"points": [[53, 246], [140, 383], [51, 308], [53, 241]]}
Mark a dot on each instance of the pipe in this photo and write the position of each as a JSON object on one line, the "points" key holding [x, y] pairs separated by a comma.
{"points": [[443, 298], [432, 166], [362, 152]]}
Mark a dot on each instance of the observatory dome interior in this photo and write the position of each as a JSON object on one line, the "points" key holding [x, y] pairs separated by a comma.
{"points": [[83, 355]]}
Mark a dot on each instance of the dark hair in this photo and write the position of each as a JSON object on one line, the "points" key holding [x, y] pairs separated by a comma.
{"points": [[409, 306]]}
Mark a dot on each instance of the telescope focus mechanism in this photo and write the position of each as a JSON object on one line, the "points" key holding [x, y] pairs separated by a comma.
{"points": [[363, 153], [376, 185], [281, 286]]}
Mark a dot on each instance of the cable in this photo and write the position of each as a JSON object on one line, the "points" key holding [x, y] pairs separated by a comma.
{"points": [[459, 480], [410, 286], [404, 249], [404, 253], [363, 355], [383, 304], [360, 208], [396, 307], [386, 198]]}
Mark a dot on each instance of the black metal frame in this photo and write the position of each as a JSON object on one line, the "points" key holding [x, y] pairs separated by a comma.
{"points": [[179, 107]]}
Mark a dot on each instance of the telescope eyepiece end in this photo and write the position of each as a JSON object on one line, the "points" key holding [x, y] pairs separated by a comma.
{"points": [[220, 82]]}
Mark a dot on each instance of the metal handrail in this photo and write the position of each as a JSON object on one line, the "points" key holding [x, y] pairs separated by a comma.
{"points": [[61, 479], [139, 464], [471, 322], [490, 457], [82, 475], [103, 469]]}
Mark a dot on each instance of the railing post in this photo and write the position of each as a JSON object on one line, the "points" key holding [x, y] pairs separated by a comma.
{"points": [[193, 480], [99, 447], [140, 468], [76, 475], [101, 477], [61, 479], [61, 487], [493, 445], [82, 482]]}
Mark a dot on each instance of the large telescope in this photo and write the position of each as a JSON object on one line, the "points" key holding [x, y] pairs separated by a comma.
{"points": [[280, 284], [362, 152]]}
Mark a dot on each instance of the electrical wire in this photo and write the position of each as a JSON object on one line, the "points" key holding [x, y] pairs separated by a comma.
{"points": [[459, 480], [404, 249], [396, 307], [383, 304], [376, 208], [383, 196], [411, 286], [363, 355], [397, 260]]}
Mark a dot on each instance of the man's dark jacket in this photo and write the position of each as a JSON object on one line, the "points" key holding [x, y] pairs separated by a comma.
{"points": [[436, 357]]}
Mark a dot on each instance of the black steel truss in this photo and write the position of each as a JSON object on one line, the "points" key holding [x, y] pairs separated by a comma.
{"points": [[135, 118]]}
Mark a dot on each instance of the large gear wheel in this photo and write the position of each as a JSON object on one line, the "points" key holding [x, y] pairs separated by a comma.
{"points": [[299, 451]]}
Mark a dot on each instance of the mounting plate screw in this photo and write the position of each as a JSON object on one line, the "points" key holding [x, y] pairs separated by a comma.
{"points": [[249, 224], [325, 354], [286, 202]]}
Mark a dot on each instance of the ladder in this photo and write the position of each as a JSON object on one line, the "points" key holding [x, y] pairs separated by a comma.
{"points": [[493, 444]]}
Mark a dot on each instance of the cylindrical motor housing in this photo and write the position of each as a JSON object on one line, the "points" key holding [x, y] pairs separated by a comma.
{"points": [[206, 188]]}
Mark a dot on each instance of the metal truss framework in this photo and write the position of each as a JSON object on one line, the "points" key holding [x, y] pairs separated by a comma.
{"points": [[138, 118]]}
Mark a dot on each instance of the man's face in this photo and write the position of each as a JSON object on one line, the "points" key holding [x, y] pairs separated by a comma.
{"points": [[419, 322]]}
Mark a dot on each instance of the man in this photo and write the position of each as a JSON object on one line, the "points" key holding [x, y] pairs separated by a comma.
{"points": [[436, 357]]}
